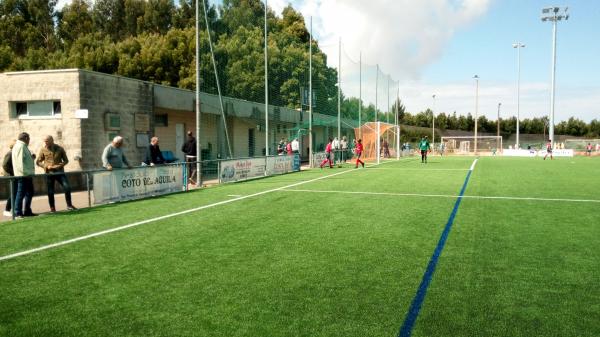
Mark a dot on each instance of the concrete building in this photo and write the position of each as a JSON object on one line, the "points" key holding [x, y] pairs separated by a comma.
{"points": [[53, 103]]}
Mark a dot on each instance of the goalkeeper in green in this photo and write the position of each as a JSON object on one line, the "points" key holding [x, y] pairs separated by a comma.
{"points": [[424, 147]]}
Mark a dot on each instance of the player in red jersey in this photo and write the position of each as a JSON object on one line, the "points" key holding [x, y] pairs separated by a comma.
{"points": [[589, 149], [548, 149], [359, 150], [328, 152]]}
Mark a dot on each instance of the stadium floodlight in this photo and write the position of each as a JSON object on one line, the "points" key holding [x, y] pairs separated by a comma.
{"points": [[498, 119], [518, 46], [476, 77], [553, 14]]}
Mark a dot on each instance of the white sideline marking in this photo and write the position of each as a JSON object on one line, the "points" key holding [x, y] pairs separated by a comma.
{"points": [[116, 229], [416, 169], [473, 165], [443, 195]]}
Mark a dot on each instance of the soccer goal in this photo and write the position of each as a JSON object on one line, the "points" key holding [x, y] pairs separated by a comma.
{"points": [[380, 140], [465, 145]]}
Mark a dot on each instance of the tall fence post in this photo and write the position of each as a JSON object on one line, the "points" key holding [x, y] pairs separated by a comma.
{"points": [[219, 171], [87, 186], [12, 197]]}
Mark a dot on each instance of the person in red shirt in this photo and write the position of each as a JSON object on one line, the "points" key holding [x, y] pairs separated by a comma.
{"points": [[288, 148], [328, 153], [359, 151], [548, 149]]}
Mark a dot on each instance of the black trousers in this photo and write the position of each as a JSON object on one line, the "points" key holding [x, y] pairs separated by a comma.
{"points": [[61, 179]]}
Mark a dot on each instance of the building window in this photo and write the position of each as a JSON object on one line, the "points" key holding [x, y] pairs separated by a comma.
{"points": [[36, 109], [161, 120]]}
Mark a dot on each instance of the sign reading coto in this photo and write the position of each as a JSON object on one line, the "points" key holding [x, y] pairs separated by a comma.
{"points": [[121, 185]]}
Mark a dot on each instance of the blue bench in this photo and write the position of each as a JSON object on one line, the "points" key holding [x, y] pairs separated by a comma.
{"points": [[169, 156]]}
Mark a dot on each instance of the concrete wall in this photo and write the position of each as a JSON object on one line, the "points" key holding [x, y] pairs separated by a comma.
{"points": [[60, 85], [102, 94]]}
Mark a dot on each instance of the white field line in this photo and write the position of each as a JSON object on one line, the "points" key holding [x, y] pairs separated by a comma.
{"points": [[443, 195], [473, 165], [415, 169], [116, 229]]}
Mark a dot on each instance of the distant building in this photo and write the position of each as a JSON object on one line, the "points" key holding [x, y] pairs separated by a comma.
{"points": [[49, 102]]}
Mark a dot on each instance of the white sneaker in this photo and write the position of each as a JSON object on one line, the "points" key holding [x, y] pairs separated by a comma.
{"points": [[7, 213]]}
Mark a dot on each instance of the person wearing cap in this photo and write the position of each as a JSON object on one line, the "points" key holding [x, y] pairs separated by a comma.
{"points": [[189, 149]]}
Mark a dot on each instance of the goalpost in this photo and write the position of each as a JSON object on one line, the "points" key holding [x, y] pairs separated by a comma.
{"points": [[380, 140], [465, 145]]}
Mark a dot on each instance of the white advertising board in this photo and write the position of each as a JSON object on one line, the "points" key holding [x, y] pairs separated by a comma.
{"points": [[534, 153], [242, 169], [137, 183], [280, 164]]}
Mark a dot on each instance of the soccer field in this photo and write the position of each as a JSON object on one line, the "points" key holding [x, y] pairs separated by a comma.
{"points": [[455, 247]]}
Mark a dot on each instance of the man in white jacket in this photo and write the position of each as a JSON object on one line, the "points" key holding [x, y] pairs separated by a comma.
{"points": [[24, 168]]}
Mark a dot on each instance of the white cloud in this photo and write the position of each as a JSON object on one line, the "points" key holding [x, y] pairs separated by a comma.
{"points": [[402, 36]]}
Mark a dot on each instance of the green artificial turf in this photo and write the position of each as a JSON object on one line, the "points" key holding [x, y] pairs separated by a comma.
{"points": [[320, 263]]}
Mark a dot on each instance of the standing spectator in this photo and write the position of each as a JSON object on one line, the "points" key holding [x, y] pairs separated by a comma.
{"points": [[386, 149], [153, 154], [8, 170], [295, 146], [344, 146], [53, 158], [189, 149], [328, 155], [113, 156], [288, 148], [24, 168], [335, 145], [281, 147]]}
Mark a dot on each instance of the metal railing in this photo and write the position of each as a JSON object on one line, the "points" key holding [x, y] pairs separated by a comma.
{"points": [[79, 181]]}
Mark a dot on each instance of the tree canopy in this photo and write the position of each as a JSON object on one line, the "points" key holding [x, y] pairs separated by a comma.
{"points": [[154, 40]]}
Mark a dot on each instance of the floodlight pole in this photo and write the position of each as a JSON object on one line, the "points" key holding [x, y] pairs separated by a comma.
{"points": [[310, 107], [339, 126], [198, 119], [398, 122], [359, 95], [388, 101], [553, 14], [433, 124], [518, 46], [498, 119], [376, 87], [266, 88], [476, 108]]}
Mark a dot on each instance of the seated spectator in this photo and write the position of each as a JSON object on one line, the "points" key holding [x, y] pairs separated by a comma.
{"points": [[153, 154]]}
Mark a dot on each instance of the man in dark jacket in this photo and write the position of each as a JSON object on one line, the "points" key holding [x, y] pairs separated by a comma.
{"points": [[153, 154], [8, 170], [189, 149]]}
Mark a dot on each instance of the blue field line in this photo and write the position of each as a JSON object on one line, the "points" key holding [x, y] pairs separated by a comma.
{"points": [[415, 306]]}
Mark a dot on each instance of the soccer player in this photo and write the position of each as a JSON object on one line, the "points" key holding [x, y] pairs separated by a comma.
{"points": [[548, 149], [358, 151], [424, 147], [589, 149], [328, 153]]}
